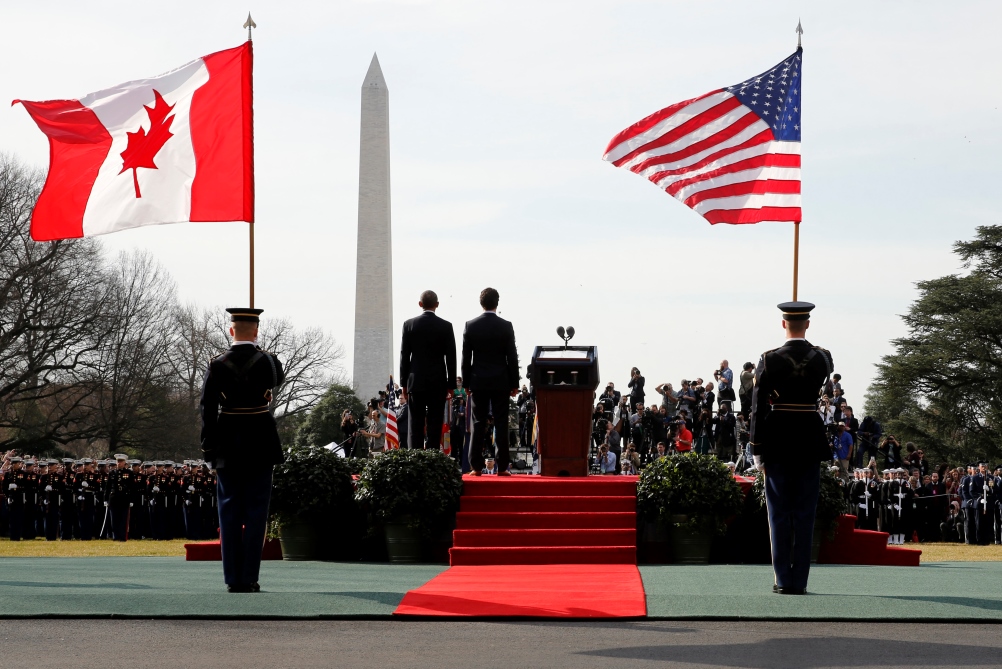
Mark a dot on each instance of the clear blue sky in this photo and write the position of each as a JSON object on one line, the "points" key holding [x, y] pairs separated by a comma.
{"points": [[499, 114]]}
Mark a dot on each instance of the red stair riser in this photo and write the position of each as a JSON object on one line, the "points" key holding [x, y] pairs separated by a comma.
{"points": [[492, 487], [544, 555], [552, 538], [467, 520], [533, 503]]}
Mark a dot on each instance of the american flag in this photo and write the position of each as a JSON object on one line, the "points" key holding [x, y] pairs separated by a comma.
{"points": [[392, 438], [732, 155]]}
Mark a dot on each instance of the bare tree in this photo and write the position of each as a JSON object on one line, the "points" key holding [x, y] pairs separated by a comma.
{"points": [[50, 319], [130, 379]]}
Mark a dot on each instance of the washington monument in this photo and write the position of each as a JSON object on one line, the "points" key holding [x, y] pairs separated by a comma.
{"points": [[373, 362]]}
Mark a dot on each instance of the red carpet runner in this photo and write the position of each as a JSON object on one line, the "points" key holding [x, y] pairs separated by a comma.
{"points": [[539, 547]]}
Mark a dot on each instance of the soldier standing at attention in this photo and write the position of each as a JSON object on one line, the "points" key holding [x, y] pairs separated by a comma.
{"points": [[789, 443], [240, 439], [119, 492]]}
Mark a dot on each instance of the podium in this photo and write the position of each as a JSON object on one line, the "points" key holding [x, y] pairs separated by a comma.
{"points": [[564, 379]]}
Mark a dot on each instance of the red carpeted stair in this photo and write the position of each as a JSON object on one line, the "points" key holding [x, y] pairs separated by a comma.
{"points": [[533, 546], [208, 551], [546, 520], [852, 546]]}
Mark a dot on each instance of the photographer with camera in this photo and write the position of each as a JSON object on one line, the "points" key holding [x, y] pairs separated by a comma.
{"points": [[669, 400], [348, 429], [686, 398], [599, 424], [891, 448], [725, 382], [636, 386], [747, 383]]}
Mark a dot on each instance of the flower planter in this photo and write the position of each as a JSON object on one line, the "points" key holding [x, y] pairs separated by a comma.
{"points": [[299, 541], [403, 543], [690, 546]]}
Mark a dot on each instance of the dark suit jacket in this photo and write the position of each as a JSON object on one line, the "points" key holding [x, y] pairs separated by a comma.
{"points": [[428, 354], [785, 424], [490, 360], [241, 380]]}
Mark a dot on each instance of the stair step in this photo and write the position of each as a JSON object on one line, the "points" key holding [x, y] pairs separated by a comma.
{"points": [[487, 520], [574, 504], [552, 538], [544, 555], [492, 486]]}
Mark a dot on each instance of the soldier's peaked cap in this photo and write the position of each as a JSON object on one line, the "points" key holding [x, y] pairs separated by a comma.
{"points": [[16, 459], [796, 311], [244, 314], [121, 456]]}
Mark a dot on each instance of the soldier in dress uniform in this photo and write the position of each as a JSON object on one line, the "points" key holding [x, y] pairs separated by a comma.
{"points": [[67, 501], [857, 497], [191, 485], [872, 498], [31, 513], [119, 493], [13, 481], [982, 491], [789, 444], [240, 440], [967, 506], [48, 497], [86, 490], [158, 502]]}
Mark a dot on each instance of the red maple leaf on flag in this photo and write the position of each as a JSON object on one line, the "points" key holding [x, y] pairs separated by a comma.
{"points": [[143, 146]]}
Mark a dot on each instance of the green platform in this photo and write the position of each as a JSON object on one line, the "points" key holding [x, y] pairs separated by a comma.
{"points": [[936, 591], [173, 588]]}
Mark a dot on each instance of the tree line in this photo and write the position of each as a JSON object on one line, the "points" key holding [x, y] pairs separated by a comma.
{"points": [[98, 355], [942, 385]]}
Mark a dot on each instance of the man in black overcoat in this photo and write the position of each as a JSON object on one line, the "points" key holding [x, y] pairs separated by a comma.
{"points": [[240, 439], [789, 443], [427, 371], [490, 373]]}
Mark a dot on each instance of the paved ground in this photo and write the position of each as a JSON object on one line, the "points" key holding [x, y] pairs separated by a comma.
{"points": [[136, 644]]}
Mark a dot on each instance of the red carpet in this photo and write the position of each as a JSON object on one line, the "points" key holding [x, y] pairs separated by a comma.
{"points": [[852, 546], [207, 551], [540, 591], [537, 546]]}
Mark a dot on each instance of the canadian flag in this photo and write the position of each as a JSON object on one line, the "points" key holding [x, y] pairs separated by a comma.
{"points": [[170, 149]]}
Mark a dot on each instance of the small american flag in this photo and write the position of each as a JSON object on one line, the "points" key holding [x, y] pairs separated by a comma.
{"points": [[732, 155], [392, 438]]}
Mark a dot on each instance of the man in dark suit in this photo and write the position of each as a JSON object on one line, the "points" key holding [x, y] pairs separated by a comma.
{"points": [[490, 373], [789, 443], [427, 370], [240, 440]]}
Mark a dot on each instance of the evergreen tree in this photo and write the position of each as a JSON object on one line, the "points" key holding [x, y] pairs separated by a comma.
{"points": [[942, 386]]}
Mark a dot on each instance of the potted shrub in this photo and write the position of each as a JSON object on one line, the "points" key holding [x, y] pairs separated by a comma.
{"points": [[694, 495], [831, 505], [312, 486], [412, 495]]}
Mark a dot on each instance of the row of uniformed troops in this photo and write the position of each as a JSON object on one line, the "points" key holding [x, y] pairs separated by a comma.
{"points": [[894, 505], [116, 499]]}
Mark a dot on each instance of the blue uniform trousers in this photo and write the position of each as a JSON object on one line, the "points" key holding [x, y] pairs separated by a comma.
{"points": [[244, 493], [119, 517], [15, 521], [791, 496]]}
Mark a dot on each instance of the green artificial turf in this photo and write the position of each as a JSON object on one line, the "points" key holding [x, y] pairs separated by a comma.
{"points": [[172, 588], [937, 591]]}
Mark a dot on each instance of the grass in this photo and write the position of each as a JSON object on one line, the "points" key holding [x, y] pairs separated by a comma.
{"points": [[948, 552], [96, 548]]}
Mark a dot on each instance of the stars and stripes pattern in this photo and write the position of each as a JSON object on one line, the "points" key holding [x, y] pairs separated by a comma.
{"points": [[732, 155], [392, 437]]}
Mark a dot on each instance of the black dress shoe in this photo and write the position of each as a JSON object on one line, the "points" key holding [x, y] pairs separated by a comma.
{"points": [[239, 588], [792, 591], [775, 588], [255, 587]]}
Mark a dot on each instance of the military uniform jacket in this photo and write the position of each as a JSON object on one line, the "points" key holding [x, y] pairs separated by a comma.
{"points": [[119, 487], [237, 425], [17, 478], [785, 425]]}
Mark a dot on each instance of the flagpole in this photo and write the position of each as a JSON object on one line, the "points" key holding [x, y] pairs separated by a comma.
{"points": [[796, 224], [250, 25], [796, 257]]}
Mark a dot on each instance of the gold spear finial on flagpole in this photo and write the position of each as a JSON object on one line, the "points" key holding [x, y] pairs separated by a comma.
{"points": [[249, 24]]}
